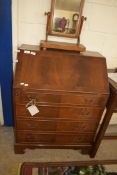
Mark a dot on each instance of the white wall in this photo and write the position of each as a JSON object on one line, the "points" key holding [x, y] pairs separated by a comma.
{"points": [[32, 22], [99, 32]]}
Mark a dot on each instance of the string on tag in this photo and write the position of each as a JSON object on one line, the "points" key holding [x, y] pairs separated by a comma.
{"points": [[30, 103]]}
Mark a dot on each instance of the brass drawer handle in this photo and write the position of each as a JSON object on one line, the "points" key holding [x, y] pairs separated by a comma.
{"points": [[17, 93], [79, 139], [90, 101], [76, 140], [29, 137], [81, 127], [85, 113], [30, 98], [33, 126]]}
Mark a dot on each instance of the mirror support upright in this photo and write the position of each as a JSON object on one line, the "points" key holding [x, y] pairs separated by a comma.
{"points": [[47, 26], [82, 21]]}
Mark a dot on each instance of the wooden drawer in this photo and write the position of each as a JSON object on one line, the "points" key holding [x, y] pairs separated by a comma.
{"points": [[57, 125], [39, 125], [28, 136], [77, 126], [53, 138], [75, 139], [68, 112], [23, 97]]}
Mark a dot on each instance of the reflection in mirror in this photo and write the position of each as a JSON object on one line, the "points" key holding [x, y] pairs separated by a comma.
{"points": [[66, 16]]}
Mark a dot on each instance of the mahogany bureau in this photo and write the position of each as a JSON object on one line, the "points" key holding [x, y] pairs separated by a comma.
{"points": [[70, 91]]}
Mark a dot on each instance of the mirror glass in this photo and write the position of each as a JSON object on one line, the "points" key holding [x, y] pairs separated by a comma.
{"points": [[66, 16]]}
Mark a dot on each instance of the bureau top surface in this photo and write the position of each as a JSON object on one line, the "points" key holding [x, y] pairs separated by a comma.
{"points": [[62, 71]]}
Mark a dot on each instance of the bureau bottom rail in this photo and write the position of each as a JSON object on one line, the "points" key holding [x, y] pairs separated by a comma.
{"points": [[21, 148]]}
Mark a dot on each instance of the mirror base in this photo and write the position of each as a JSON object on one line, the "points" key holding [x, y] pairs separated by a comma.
{"points": [[62, 46]]}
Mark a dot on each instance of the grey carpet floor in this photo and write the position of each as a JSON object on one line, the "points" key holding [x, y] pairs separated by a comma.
{"points": [[9, 161]]}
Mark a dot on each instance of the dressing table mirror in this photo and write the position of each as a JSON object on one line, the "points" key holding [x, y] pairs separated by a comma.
{"points": [[65, 20]]}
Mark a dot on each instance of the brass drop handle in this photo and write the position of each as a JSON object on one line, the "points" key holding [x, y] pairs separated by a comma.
{"points": [[29, 137], [76, 139], [33, 126], [80, 127], [32, 98], [85, 113], [17, 93], [90, 101]]}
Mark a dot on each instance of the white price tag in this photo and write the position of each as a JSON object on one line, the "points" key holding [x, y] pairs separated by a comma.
{"points": [[26, 85], [21, 83], [26, 51], [33, 110], [33, 53]]}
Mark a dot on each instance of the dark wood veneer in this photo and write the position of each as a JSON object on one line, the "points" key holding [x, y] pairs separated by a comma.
{"points": [[70, 90]]}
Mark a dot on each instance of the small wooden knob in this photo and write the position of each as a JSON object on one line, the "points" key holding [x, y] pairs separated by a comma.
{"points": [[47, 13], [17, 93]]}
